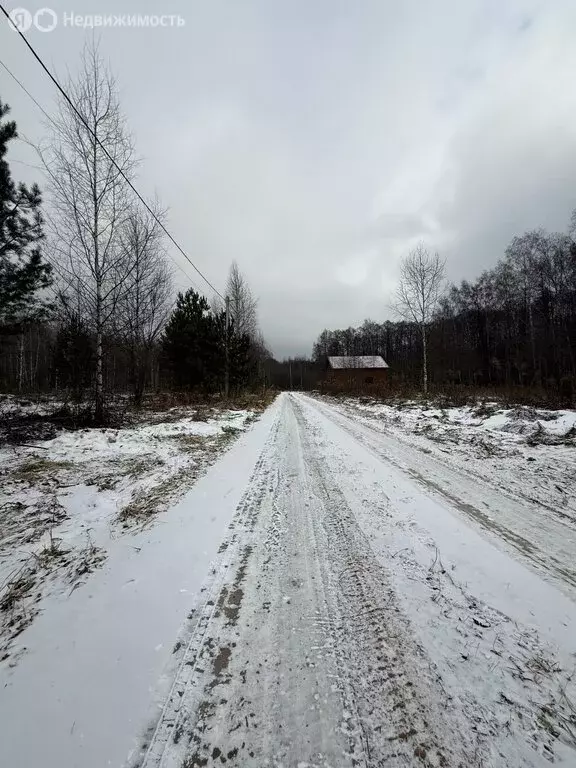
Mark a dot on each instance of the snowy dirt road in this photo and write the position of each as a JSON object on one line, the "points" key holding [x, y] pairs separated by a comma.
{"points": [[358, 614]]}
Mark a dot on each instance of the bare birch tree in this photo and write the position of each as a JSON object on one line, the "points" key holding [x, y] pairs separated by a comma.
{"points": [[91, 198], [243, 305], [418, 292], [144, 304]]}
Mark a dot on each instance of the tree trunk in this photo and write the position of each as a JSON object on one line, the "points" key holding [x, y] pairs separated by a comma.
{"points": [[99, 409], [99, 405], [31, 378], [37, 360], [535, 369], [424, 362], [140, 365], [21, 363], [227, 350]]}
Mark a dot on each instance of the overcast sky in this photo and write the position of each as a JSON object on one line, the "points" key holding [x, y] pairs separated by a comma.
{"points": [[316, 141]]}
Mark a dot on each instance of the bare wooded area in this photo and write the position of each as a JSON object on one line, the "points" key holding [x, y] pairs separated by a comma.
{"points": [[86, 288], [512, 330]]}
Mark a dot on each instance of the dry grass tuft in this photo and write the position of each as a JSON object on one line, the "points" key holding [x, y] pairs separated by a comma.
{"points": [[18, 586], [51, 552], [34, 470]]}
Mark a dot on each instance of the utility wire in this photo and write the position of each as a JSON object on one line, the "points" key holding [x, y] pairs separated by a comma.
{"points": [[26, 91], [28, 165], [50, 120], [110, 158]]}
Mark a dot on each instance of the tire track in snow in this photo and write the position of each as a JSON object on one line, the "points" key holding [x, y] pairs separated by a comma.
{"points": [[398, 694], [519, 530], [270, 685], [312, 664], [506, 674], [194, 634]]}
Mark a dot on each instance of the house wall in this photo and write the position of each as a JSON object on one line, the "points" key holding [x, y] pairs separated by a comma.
{"points": [[355, 378]]}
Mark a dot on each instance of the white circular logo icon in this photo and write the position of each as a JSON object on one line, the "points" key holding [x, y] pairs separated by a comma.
{"points": [[20, 19], [45, 20]]}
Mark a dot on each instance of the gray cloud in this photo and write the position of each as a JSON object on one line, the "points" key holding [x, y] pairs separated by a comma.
{"points": [[316, 142]]}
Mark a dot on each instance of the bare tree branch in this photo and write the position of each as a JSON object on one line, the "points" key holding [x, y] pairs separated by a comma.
{"points": [[243, 305], [418, 293]]}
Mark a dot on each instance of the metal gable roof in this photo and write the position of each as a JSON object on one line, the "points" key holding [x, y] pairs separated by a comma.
{"points": [[357, 361]]}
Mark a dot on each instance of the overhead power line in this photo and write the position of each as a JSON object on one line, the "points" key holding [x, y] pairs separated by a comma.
{"points": [[26, 91], [43, 170], [103, 148]]}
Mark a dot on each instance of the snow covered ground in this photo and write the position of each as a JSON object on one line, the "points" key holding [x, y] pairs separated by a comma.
{"points": [[345, 586], [524, 458], [63, 501]]}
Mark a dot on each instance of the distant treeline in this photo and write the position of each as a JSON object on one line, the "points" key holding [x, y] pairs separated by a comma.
{"points": [[513, 326], [58, 354]]}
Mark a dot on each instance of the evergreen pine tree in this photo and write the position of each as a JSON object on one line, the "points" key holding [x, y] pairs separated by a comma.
{"points": [[190, 343], [22, 272], [242, 363], [194, 347]]}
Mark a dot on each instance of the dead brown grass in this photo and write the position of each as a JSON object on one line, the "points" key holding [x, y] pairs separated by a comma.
{"points": [[53, 551], [165, 401], [17, 587], [149, 502], [252, 401], [34, 470], [190, 443], [397, 393]]}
